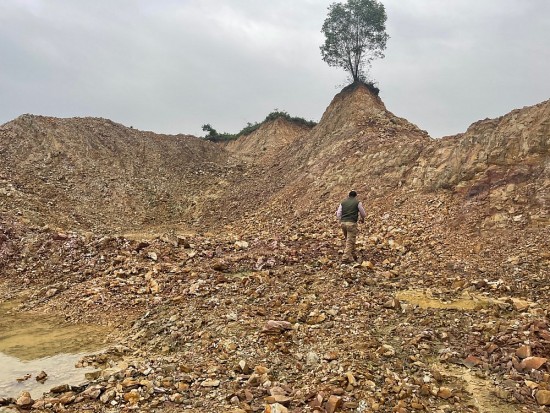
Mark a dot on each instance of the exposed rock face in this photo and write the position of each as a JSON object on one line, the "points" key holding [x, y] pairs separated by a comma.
{"points": [[511, 149], [359, 142]]}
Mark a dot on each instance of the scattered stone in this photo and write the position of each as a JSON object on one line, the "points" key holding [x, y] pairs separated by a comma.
{"points": [[210, 383], [278, 398], [220, 266], [386, 350], [331, 355], [472, 361], [259, 369], [109, 395], [177, 398], [312, 358], [444, 393], [24, 400], [316, 318], [351, 379], [244, 367], [132, 396], [543, 397], [130, 383], [275, 408], [66, 398], [392, 303], [51, 292], [333, 403], [277, 391], [60, 389], [276, 327], [241, 245], [41, 377], [154, 286], [93, 375], [24, 378], [523, 352], [532, 363], [531, 384], [92, 392], [521, 305]]}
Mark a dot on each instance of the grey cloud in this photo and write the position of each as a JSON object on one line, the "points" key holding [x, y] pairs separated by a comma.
{"points": [[170, 66]]}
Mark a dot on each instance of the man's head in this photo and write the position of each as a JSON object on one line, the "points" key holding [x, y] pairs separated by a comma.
{"points": [[352, 194]]}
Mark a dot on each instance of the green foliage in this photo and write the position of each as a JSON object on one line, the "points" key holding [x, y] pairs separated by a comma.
{"points": [[214, 136], [294, 119], [355, 34], [211, 131], [248, 129], [370, 85]]}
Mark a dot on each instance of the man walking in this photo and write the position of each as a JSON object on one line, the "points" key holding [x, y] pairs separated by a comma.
{"points": [[349, 212]]}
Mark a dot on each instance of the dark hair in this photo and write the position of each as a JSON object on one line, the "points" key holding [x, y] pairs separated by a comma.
{"points": [[353, 194]]}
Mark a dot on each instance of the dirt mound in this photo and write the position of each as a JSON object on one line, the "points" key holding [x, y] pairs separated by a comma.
{"points": [[90, 173], [93, 173], [267, 142]]}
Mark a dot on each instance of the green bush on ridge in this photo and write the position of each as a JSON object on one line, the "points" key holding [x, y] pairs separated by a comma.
{"points": [[214, 136]]}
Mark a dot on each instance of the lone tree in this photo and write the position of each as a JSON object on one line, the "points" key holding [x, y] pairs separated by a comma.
{"points": [[355, 34]]}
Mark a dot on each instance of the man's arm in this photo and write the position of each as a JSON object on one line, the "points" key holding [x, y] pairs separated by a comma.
{"points": [[362, 212]]}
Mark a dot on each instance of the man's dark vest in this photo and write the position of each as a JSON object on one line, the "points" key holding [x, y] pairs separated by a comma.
{"points": [[350, 210]]}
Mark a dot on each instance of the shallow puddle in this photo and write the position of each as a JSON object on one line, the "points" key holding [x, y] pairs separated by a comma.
{"points": [[423, 300], [60, 369], [481, 390], [31, 343]]}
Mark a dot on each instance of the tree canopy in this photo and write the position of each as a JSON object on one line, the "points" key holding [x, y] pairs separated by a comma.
{"points": [[355, 34]]}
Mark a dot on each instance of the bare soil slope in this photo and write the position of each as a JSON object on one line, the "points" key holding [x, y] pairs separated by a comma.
{"points": [[92, 173]]}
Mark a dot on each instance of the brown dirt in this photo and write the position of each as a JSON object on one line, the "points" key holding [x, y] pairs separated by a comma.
{"points": [[191, 247]]}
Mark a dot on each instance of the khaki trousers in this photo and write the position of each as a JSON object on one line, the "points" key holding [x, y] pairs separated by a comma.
{"points": [[350, 234]]}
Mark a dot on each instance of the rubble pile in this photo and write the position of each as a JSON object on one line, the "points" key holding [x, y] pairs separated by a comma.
{"points": [[239, 302], [92, 174]]}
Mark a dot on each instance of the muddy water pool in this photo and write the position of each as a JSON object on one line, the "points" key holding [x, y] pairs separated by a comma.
{"points": [[482, 390], [31, 343]]}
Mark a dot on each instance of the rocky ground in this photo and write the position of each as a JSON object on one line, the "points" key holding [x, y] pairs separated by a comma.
{"points": [[238, 322], [219, 281]]}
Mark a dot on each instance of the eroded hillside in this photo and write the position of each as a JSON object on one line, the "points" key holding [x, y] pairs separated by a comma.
{"points": [[87, 173], [220, 265]]}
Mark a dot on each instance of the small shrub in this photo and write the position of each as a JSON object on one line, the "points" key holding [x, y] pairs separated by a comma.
{"points": [[370, 85], [215, 136]]}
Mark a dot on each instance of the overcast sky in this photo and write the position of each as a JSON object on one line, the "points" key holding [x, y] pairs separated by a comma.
{"points": [[170, 66]]}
